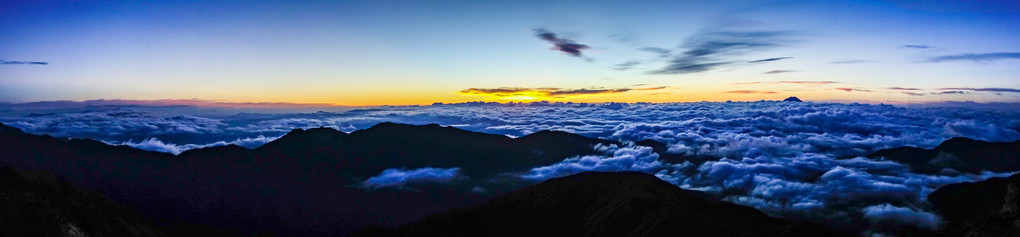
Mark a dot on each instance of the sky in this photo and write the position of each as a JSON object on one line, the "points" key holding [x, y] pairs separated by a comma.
{"points": [[420, 52]]}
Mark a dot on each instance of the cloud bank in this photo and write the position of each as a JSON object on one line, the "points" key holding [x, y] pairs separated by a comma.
{"points": [[400, 177]]}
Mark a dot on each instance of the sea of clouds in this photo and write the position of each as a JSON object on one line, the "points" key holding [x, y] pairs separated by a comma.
{"points": [[789, 159]]}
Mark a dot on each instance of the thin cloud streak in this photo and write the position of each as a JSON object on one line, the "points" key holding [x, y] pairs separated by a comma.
{"points": [[976, 57], [751, 92], [4, 62], [769, 60]]}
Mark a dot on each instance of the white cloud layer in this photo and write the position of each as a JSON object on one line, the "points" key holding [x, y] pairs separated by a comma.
{"points": [[401, 177]]}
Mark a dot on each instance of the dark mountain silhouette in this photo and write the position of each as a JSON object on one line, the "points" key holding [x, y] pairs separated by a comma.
{"points": [[604, 204], [961, 154], [985, 208], [306, 183], [37, 203], [793, 99]]}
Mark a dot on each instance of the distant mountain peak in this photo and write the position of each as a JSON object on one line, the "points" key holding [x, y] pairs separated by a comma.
{"points": [[793, 99]]}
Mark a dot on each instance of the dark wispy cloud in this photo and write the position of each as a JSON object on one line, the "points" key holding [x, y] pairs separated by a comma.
{"points": [[787, 82], [625, 65], [903, 89], [540, 92], [651, 88], [983, 89], [750, 92], [708, 50], [778, 71], [949, 92], [769, 60], [976, 57], [5, 62], [663, 53], [851, 61], [912, 93], [560, 44], [917, 46], [848, 89]]}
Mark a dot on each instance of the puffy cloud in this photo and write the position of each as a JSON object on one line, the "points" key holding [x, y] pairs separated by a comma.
{"points": [[154, 144], [796, 160], [401, 177], [613, 158], [903, 216]]}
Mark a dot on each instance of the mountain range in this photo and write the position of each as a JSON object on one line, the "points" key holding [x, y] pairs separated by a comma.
{"points": [[313, 183]]}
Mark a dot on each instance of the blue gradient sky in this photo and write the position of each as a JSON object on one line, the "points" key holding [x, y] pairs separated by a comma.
{"points": [[419, 52]]}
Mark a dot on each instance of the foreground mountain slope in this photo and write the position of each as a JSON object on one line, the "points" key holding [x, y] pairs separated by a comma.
{"points": [[605, 204], [960, 154], [985, 208], [307, 183]]}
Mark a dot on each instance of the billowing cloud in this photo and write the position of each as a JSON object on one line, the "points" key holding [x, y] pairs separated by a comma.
{"points": [[154, 144], [751, 92], [4, 62], [976, 57], [400, 177], [794, 160], [1011, 90], [769, 60], [612, 158], [712, 49], [886, 213], [560, 44]]}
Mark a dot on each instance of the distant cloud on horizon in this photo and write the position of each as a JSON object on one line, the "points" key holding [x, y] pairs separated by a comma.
{"points": [[751, 92], [170, 102], [546, 92], [787, 82], [1011, 90]]}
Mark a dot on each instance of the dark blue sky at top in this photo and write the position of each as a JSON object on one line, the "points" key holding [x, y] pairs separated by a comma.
{"points": [[418, 52]]}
